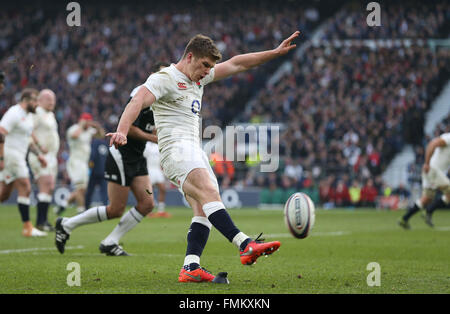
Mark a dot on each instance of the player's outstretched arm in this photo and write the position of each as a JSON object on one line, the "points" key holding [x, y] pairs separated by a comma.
{"points": [[244, 62], [143, 99]]}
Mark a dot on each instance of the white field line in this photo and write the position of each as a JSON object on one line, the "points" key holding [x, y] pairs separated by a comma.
{"points": [[325, 234], [335, 233], [38, 249]]}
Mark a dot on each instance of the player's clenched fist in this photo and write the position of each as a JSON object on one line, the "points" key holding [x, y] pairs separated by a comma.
{"points": [[117, 139]]}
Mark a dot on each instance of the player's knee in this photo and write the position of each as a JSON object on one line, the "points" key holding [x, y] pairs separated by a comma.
{"points": [[25, 190], [145, 207]]}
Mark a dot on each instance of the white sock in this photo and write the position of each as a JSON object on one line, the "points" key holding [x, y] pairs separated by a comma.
{"points": [[239, 238], [161, 207], [24, 200], [212, 207], [92, 215], [189, 259], [44, 197], [126, 223]]}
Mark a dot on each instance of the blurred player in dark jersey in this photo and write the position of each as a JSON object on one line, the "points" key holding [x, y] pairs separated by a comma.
{"points": [[97, 160]]}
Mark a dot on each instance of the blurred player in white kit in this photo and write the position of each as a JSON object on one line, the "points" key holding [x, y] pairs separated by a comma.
{"points": [[434, 178], [156, 174], [46, 137], [79, 137], [16, 127]]}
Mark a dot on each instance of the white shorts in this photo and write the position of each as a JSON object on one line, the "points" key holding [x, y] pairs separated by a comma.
{"points": [[38, 171], [434, 179], [15, 167], [178, 160], [78, 173], [156, 175]]}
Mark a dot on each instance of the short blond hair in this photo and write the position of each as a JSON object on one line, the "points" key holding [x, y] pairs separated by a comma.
{"points": [[202, 46]]}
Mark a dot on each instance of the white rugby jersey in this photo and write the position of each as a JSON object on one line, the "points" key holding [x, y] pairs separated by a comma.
{"points": [[46, 129], [441, 156], [80, 147], [177, 106], [19, 124]]}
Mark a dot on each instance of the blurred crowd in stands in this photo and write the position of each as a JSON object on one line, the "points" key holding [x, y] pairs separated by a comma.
{"points": [[344, 134], [399, 20], [347, 110], [93, 68], [350, 109]]}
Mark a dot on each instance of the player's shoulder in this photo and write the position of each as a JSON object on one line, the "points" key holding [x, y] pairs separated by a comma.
{"points": [[15, 112], [15, 109], [72, 128], [40, 112], [446, 137], [166, 74]]}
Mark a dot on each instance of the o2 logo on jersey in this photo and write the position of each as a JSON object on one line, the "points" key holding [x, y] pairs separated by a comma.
{"points": [[149, 127], [196, 106]]}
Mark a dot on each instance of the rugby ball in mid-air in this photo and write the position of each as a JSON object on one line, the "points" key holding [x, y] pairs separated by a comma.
{"points": [[299, 215]]}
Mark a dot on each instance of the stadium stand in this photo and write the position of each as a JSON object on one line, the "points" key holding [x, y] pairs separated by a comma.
{"points": [[357, 104], [93, 68], [347, 109]]}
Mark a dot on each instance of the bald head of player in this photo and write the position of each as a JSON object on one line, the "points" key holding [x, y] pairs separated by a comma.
{"points": [[199, 57], [47, 99]]}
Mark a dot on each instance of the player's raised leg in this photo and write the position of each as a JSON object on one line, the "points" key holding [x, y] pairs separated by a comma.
{"points": [[142, 190], [199, 186]]}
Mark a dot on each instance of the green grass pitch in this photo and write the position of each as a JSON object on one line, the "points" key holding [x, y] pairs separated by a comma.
{"points": [[333, 259]]}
